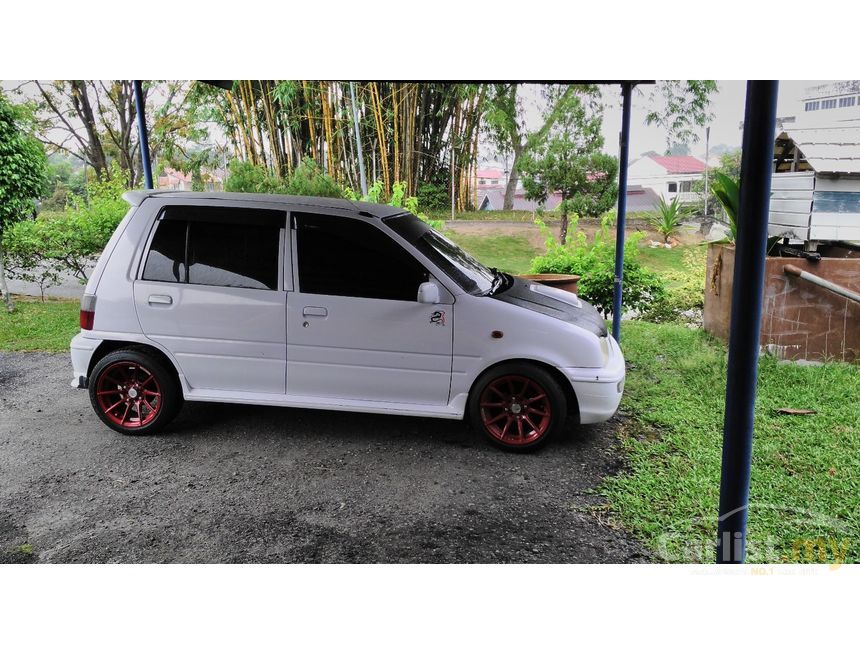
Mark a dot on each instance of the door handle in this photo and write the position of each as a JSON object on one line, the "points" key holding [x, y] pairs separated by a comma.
{"points": [[158, 299], [315, 311]]}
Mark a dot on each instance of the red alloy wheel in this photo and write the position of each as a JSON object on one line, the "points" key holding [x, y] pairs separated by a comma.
{"points": [[128, 394], [515, 410]]}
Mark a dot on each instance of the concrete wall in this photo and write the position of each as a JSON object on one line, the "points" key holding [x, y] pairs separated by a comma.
{"points": [[799, 319]]}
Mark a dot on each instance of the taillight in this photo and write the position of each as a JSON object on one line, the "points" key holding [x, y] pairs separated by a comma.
{"points": [[88, 311]]}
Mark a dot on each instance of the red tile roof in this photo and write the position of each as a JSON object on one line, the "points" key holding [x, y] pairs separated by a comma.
{"points": [[489, 173], [680, 165]]}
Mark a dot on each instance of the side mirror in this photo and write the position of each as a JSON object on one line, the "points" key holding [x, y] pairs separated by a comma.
{"points": [[428, 293]]}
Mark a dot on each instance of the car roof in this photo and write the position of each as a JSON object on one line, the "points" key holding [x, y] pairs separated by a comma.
{"points": [[136, 197]]}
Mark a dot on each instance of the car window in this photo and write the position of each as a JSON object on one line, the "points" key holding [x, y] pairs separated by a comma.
{"points": [[472, 276], [230, 255], [225, 247], [166, 259], [339, 256]]}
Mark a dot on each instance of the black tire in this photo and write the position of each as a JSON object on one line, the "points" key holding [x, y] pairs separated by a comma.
{"points": [[516, 398], [135, 382]]}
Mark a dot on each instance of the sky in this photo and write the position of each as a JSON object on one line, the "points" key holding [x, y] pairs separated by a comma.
{"points": [[727, 106]]}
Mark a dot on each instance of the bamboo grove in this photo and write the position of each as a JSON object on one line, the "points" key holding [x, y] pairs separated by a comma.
{"points": [[407, 131]]}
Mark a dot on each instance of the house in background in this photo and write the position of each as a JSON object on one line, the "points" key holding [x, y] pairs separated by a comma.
{"points": [[648, 178], [494, 200], [665, 176], [842, 97], [640, 199], [172, 179], [490, 177]]}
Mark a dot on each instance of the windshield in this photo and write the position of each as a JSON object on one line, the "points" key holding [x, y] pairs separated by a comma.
{"points": [[472, 276]]}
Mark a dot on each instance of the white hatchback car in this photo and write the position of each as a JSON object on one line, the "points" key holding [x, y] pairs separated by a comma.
{"points": [[329, 304]]}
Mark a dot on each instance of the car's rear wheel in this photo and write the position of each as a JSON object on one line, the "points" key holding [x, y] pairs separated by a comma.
{"points": [[133, 392], [517, 406]]}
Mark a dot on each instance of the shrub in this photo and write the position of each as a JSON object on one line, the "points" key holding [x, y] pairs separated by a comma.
{"points": [[668, 217], [245, 177], [40, 250], [433, 197], [310, 180], [727, 192], [595, 263], [307, 179], [684, 300], [398, 199]]}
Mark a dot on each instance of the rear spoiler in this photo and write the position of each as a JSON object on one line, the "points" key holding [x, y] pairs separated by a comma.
{"points": [[136, 197]]}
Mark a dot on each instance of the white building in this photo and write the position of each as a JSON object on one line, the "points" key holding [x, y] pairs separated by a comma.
{"points": [[668, 177], [837, 100]]}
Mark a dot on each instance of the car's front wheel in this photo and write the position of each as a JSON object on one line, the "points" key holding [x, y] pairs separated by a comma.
{"points": [[517, 406], [133, 392]]}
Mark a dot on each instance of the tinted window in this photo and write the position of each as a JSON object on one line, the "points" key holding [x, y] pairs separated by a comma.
{"points": [[225, 247], [472, 276], [338, 256], [230, 255], [166, 259]]}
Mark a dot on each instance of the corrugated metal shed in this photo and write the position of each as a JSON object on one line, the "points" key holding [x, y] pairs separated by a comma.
{"points": [[816, 184], [834, 149]]}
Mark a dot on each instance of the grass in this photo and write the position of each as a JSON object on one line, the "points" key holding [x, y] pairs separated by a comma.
{"points": [[514, 253], [519, 216], [661, 259], [511, 253], [806, 469], [24, 549], [485, 216], [39, 326]]}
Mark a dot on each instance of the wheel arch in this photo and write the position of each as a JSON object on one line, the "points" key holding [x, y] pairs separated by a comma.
{"points": [[552, 370], [108, 346]]}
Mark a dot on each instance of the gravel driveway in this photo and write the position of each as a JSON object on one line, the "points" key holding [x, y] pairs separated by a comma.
{"points": [[235, 483]]}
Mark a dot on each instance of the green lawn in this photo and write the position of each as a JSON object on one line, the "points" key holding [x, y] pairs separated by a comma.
{"points": [[486, 216], [39, 326], [806, 469], [661, 259], [510, 253], [513, 253]]}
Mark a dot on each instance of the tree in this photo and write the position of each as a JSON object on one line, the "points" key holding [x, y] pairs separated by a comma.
{"points": [[730, 167], [23, 167], [96, 122], [686, 108], [679, 149], [407, 131], [504, 123], [566, 158]]}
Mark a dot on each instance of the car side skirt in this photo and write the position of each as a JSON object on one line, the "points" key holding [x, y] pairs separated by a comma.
{"points": [[454, 410]]}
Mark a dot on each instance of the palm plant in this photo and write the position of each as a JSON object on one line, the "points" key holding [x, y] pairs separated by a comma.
{"points": [[668, 217], [727, 192]]}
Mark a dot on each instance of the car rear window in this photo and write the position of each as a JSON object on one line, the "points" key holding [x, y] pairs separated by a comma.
{"points": [[224, 247]]}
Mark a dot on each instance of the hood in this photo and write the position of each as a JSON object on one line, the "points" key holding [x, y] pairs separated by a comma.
{"points": [[553, 302]]}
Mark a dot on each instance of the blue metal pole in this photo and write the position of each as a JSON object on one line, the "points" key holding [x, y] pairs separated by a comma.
{"points": [[747, 291], [144, 139], [621, 220]]}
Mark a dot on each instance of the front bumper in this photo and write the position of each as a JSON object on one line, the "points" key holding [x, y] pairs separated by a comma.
{"points": [[598, 391], [82, 349]]}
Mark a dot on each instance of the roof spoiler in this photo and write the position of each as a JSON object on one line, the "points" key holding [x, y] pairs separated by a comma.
{"points": [[136, 197]]}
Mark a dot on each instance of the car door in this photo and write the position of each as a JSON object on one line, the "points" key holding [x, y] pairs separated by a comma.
{"points": [[355, 329], [210, 290]]}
